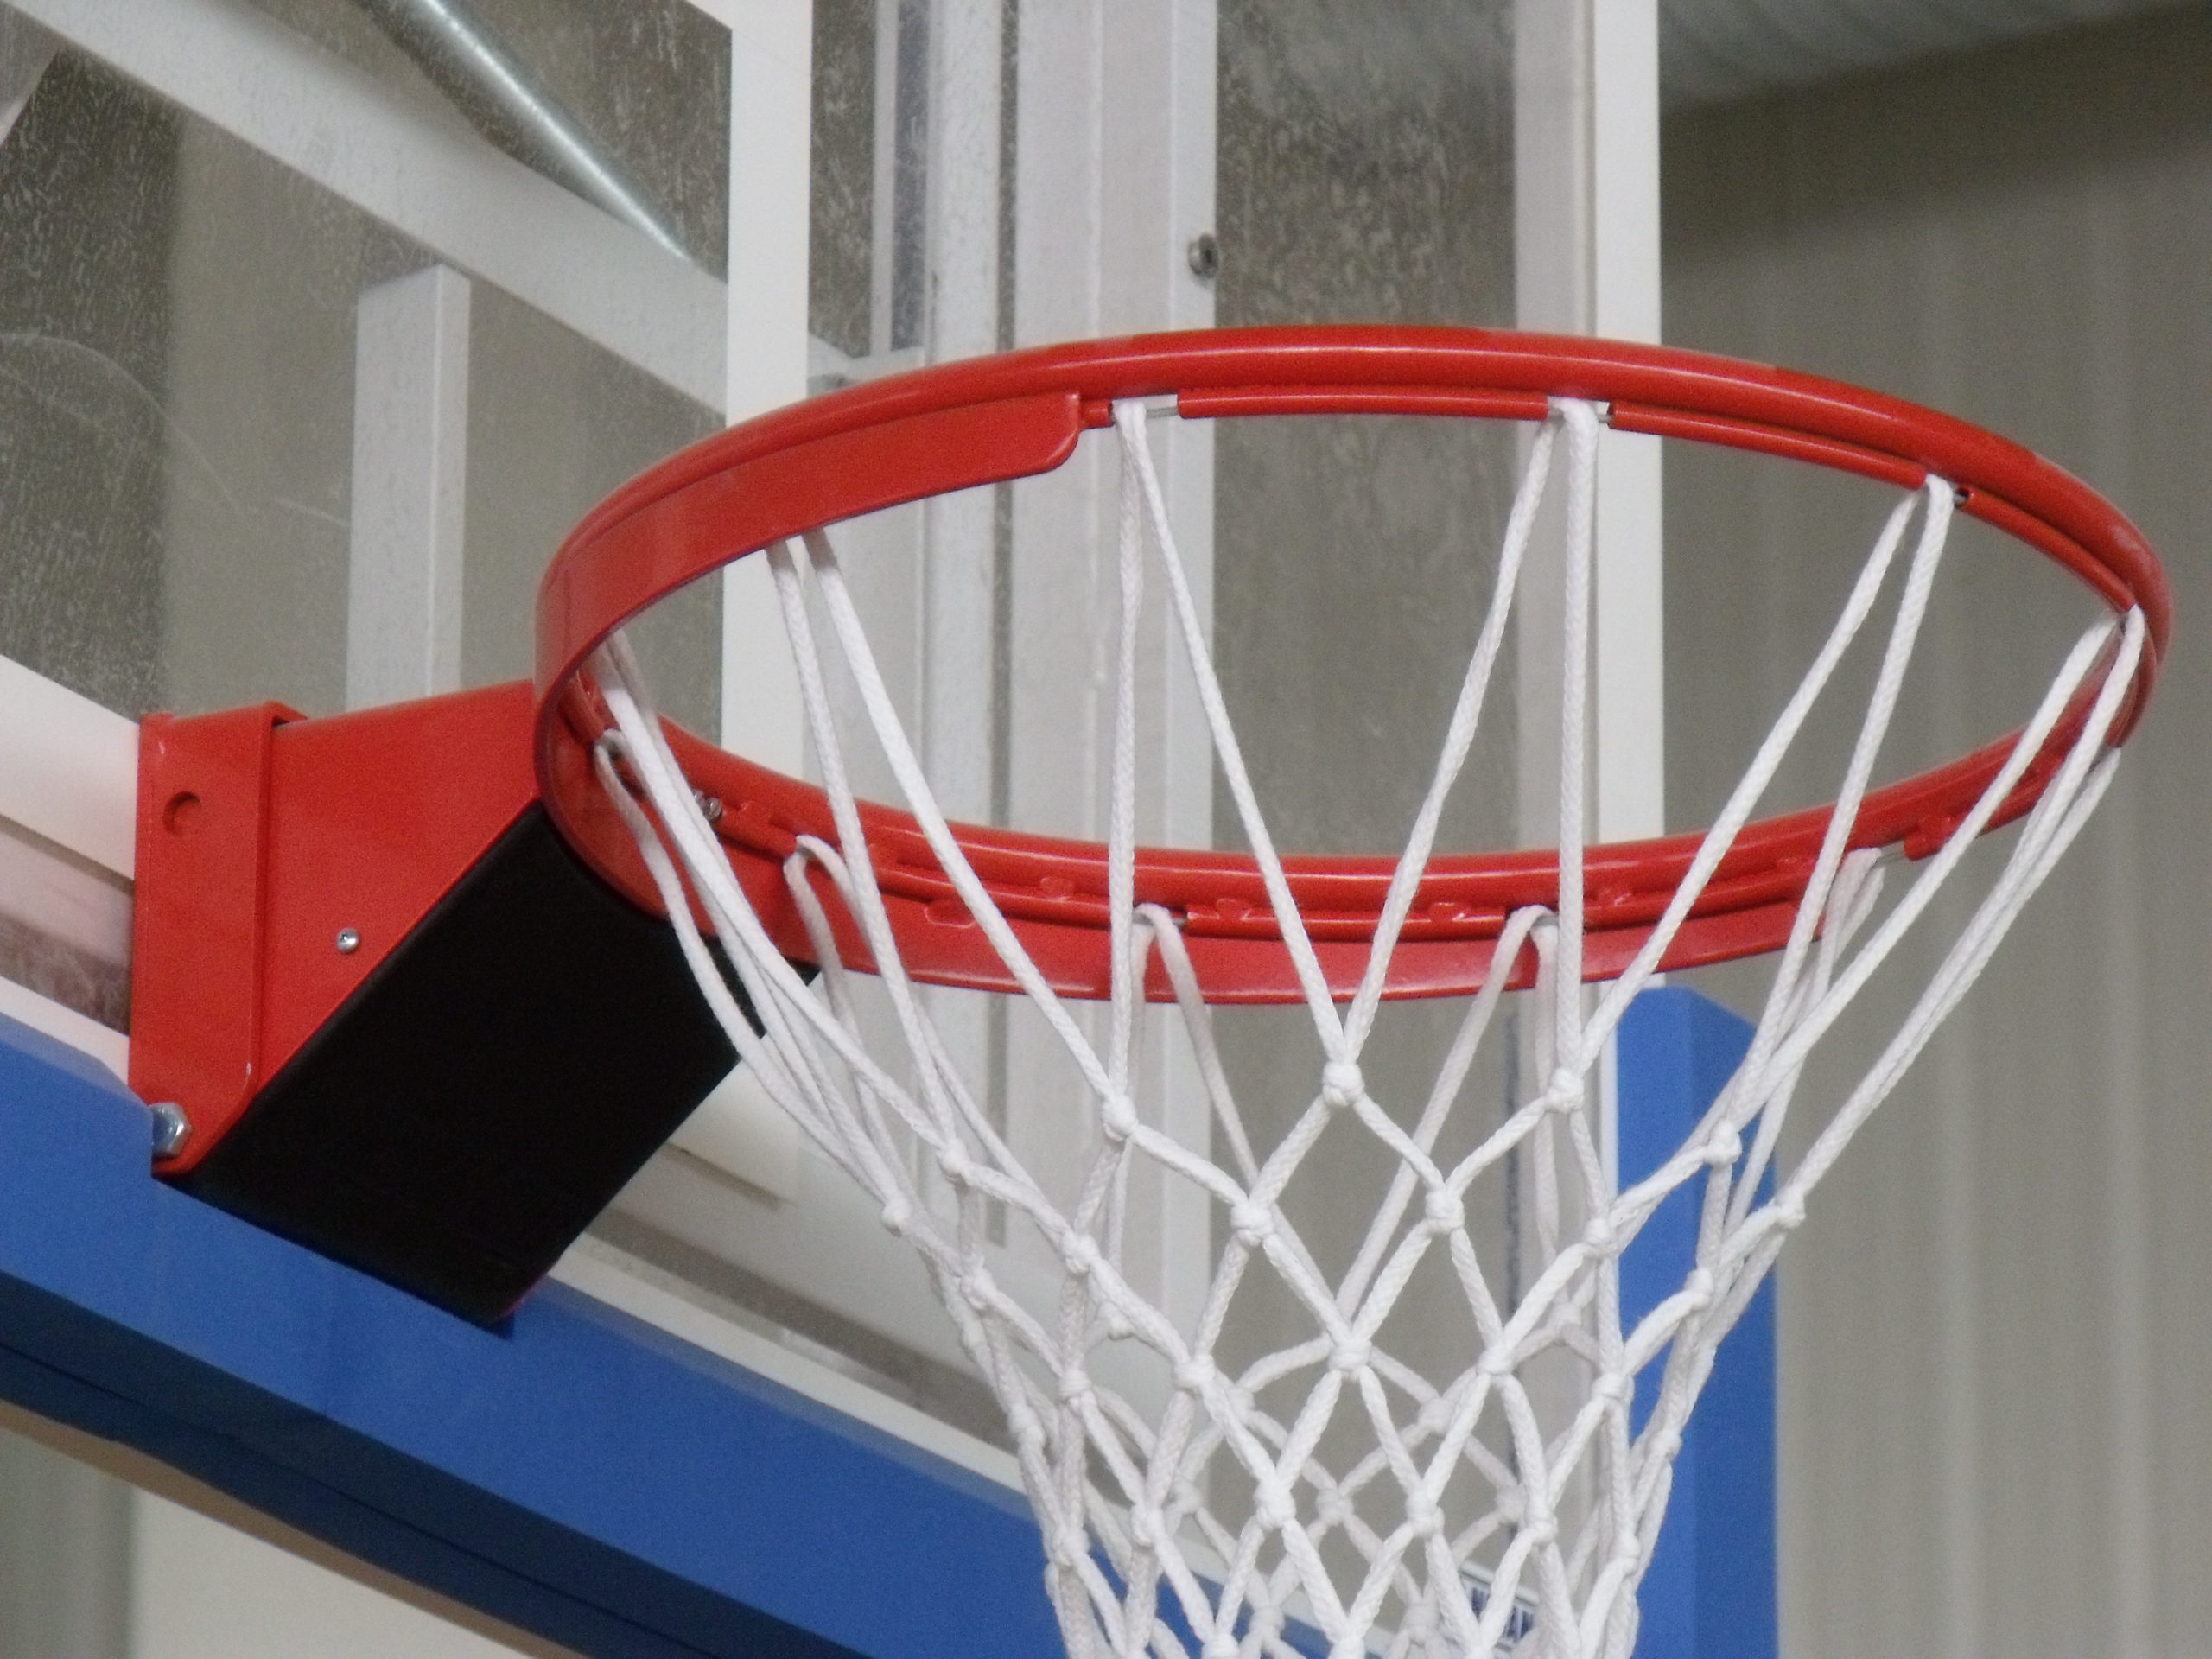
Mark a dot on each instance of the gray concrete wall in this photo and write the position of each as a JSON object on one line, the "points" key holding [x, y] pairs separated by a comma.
{"points": [[1996, 1325], [65, 1538]]}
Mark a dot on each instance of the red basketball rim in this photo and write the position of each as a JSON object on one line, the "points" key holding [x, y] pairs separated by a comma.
{"points": [[964, 424]]}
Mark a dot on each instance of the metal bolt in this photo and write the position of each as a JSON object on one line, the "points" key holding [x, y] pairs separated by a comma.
{"points": [[172, 1129], [349, 940], [710, 806], [1205, 257]]}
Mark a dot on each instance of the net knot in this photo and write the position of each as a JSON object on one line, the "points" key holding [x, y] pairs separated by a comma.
{"points": [[1697, 1289], [957, 1167], [1351, 1355], [1075, 1386], [1146, 1527], [1274, 1504], [1725, 1148], [1447, 1214], [1599, 1237], [1070, 1544], [1252, 1223], [1541, 1529], [1627, 1546], [1220, 1645], [1117, 1117], [1197, 1374], [898, 1215], [1422, 1514], [1342, 1085], [978, 1290], [1564, 1092], [1333, 1508], [1080, 1253], [1612, 1386], [1789, 1210], [1028, 1432]]}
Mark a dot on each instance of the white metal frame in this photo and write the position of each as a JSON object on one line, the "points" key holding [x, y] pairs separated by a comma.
{"points": [[493, 217], [1114, 150], [409, 488]]}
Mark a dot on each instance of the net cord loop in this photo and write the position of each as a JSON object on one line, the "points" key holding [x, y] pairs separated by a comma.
{"points": [[1937, 497], [1773, 749], [1130, 418], [1459, 743], [2041, 840], [897, 751]]}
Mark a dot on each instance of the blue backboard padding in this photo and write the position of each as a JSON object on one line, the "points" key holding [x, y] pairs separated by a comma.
{"points": [[1710, 1592], [593, 1479], [580, 1474]]}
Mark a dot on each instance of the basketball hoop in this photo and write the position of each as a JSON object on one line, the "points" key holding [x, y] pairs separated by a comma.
{"points": [[1146, 1553]]}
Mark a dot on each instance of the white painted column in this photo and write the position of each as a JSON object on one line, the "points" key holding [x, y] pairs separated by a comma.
{"points": [[1115, 148], [409, 490], [958, 677], [1159, 289], [883, 230], [738, 1128], [771, 121], [1629, 690], [1586, 257], [1158, 145], [1114, 179], [959, 554], [1586, 241]]}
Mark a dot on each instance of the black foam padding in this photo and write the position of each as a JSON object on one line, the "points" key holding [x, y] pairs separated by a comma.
{"points": [[485, 1092]]}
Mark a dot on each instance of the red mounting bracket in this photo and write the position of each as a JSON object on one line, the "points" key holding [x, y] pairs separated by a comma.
{"points": [[281, 860]]}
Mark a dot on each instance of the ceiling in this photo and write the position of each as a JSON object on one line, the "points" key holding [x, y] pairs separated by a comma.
{"points": [[1712, 50]]}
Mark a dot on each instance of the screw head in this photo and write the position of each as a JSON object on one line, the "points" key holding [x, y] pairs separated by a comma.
{"points": [[1205, 257], [349, 940], [172, 1129], [710, 806]]}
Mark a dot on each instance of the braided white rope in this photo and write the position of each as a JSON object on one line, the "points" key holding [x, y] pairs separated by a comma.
{"points": [[1151, 1546]]}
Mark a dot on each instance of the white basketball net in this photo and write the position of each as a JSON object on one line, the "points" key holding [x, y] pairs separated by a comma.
{"points": [[1383, 1554]]}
